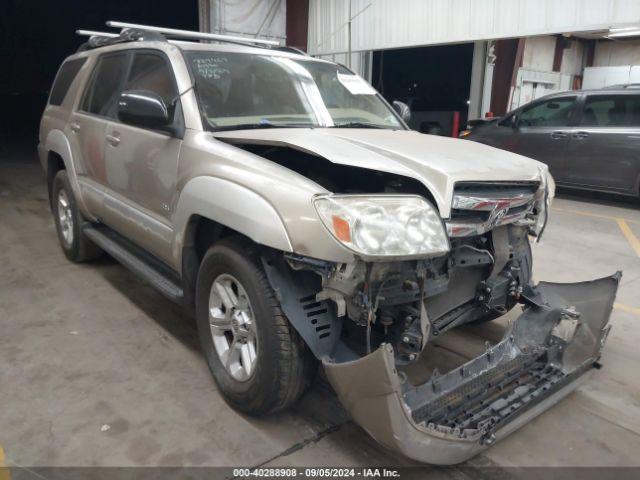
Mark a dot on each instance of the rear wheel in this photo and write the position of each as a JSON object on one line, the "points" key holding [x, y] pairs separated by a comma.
{"points": [[69, 221], [257, 359]]}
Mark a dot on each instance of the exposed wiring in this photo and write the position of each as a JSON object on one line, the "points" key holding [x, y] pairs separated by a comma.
{"points": [[479, 250]]}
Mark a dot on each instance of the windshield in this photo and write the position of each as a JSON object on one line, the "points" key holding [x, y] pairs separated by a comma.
{"points": [[239, 90]]}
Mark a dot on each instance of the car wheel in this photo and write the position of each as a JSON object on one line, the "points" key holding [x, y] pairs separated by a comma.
{"points": [[69, 221], [257, 359]]}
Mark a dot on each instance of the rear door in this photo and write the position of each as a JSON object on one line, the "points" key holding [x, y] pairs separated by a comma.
{"points": [[542, 132], [604, 150], [87, 125]]}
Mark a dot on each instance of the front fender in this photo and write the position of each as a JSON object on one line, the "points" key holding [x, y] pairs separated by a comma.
{"points": [[233, 206]]}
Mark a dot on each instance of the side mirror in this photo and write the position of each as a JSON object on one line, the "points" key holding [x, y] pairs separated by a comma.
{"points": [[143, 108], [402, 109]]}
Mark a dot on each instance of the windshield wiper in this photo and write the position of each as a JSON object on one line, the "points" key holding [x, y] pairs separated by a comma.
{"points": [[254, 126], [360, 125]]}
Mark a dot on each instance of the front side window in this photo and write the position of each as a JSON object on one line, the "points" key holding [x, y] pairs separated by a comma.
{"points": [[555, 112], [611, 111], [151, 72], [258, 91], [101, 96]]}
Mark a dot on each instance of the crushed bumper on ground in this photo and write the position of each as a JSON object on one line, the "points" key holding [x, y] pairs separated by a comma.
{"points": [[545, 354]]}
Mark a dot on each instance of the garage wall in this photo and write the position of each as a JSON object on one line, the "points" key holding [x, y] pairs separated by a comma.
{"points": [[617, 53], [539, 53], [573, 58], [382, 24], [253, 18], [536, 77], [614, 63]]}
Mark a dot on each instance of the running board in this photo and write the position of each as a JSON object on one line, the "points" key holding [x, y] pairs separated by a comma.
{"points": [[141, 263]]}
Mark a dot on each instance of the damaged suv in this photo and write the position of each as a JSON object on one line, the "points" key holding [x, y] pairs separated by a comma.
{"points": [[289, 206]]}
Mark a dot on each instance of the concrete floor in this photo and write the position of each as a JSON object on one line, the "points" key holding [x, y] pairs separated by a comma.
{"points": [[96, 368]]}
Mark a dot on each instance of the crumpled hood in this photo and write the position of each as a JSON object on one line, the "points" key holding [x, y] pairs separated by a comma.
{"points": [[437, 162]]}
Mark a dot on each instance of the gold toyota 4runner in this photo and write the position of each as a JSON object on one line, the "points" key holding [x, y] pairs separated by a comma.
{"points": [[288, 206]]}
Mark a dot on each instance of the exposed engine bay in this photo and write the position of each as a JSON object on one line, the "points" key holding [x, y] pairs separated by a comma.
{"points": [[371, 303], [366, 304]]}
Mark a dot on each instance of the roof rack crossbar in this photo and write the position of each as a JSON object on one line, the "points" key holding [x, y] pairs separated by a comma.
{"points": [[93, 33], [193, 35]]}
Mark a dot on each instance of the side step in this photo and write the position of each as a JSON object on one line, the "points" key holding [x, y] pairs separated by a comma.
{"points": [[141, 263]]}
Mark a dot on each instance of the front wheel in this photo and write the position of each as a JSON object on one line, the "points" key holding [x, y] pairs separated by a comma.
{"points": [[257, 359]]}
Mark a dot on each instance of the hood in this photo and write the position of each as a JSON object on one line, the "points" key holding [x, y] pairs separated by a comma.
{"points": [[437, 162]]}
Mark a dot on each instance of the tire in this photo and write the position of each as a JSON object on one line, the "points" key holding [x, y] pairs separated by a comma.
{"points": [[283, 366], [526, 266], [75, 244]]}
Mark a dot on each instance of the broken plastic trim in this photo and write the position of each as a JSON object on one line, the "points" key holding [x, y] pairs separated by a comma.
{"points": [[544, 355]]}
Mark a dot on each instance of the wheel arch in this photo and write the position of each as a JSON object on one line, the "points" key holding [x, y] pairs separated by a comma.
{"points": [[59, 156], [211, 208]]}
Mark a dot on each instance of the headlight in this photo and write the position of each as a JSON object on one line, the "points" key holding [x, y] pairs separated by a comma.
{"points": [[384, 225]]}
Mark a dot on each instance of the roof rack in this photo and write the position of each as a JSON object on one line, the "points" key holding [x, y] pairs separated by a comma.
{"points": [[188, 34], [102, 39], [93, 33], [632, 86], [131, 32]]}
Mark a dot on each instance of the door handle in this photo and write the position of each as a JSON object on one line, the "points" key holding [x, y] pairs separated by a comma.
{"points": [[75, 127], [114, 140], [580, 135], [558, 135]]}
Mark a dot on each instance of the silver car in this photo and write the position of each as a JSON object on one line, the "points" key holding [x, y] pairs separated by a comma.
{"points": [[287, 205], [590, 139]]}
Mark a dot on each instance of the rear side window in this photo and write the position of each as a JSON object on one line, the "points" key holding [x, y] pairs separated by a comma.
{"points": [[102, 93], [555, 112], [611, 111], [151, 72], [64, 79]]}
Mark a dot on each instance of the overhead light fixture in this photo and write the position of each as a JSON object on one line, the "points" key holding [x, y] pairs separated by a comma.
{"points": [[631, 33], [623, 29], [624, 32]]}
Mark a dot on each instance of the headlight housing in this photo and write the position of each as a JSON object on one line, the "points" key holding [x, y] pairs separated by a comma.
{"points": [[384, 225]]}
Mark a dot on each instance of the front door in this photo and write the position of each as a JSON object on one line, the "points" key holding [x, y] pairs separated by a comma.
{"points": [[142, 163], [604, 150], [542, 132]]}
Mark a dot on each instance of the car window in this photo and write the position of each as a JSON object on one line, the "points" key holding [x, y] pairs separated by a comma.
{"points": [[102, 92], [611, 111], [150, 71], [236, 90], [64, 79], [555, 112]]}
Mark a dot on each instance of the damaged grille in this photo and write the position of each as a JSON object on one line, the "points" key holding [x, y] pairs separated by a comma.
{"points": [[489, 399], [479, 207]]}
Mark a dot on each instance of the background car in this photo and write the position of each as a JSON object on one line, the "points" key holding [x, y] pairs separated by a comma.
{"points": [[589, 139]]}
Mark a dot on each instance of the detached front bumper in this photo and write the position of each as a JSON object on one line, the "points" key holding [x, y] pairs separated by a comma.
{"points": [[546, 353]]}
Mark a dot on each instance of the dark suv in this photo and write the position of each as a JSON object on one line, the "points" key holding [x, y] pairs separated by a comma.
{"points": [[590, 139]]}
